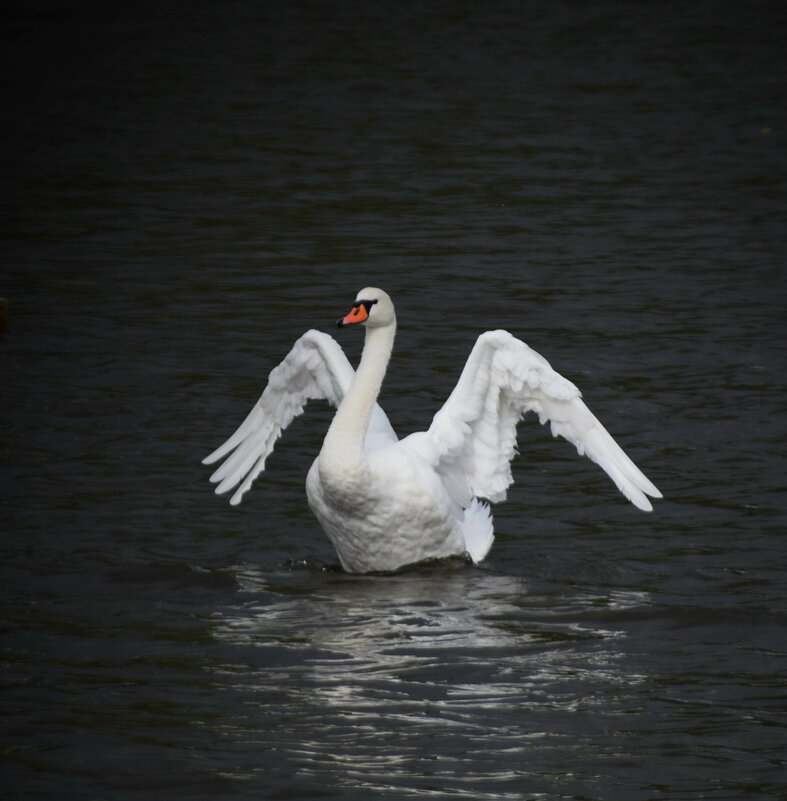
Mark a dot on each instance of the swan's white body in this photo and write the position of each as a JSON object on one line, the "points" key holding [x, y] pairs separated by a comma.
{"points": [[385, 502]]}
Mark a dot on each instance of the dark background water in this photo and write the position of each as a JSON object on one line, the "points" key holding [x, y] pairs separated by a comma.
{"points": [[188, 189]]}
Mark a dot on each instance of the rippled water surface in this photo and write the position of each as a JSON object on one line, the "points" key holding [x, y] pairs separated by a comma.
{"points": [[187, 192]]}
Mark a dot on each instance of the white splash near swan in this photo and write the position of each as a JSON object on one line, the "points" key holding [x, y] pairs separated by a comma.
{"points": [[385, 502]]}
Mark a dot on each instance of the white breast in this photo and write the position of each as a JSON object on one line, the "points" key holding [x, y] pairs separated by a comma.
{"points": [[395, 516]]}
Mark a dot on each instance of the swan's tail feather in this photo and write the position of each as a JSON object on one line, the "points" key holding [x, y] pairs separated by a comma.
{"points": [[478, 530]]}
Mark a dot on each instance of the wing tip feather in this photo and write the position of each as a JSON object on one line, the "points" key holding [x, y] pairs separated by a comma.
{"points": [[642, 503]]}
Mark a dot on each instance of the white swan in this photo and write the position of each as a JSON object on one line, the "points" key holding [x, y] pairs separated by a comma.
{"points": [[385, 502]]}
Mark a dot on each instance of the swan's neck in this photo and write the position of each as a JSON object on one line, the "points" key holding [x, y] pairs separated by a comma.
{"points": [[343, 445]]}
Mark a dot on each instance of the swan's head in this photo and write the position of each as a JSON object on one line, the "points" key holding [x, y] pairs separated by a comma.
{"points": [[372, 308]]}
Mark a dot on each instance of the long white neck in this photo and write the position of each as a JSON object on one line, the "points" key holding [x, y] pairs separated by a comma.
{"points": [[343, 444]]}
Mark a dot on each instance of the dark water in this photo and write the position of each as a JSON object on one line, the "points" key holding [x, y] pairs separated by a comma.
{"points": [[188, 191]]}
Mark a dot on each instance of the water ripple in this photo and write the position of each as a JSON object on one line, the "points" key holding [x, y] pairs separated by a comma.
{"points": [[387, 671]]}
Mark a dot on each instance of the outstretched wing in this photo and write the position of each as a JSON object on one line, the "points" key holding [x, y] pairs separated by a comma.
{"points": [[473, 437], [316, 367]]}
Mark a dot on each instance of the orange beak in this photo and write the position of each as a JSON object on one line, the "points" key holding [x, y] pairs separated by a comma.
{"points": [[357, 315]]}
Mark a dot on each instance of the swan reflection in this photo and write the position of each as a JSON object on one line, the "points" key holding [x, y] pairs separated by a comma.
{"points": [[377, 673]]}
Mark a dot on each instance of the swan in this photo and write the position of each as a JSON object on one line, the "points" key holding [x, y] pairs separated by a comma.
{"points": [[385, 502]]}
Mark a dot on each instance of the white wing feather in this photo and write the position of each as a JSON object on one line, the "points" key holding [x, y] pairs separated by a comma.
{"points": [[316, 367], [473, 437]]}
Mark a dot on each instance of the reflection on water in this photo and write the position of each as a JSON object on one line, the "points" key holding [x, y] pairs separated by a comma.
{"points": [[375, 676]]}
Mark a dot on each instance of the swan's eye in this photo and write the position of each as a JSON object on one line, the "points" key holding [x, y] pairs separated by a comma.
{"points": [[367, 304]]}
